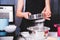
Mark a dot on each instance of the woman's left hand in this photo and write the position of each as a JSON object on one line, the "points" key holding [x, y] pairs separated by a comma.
{"points": [[46, 13]]}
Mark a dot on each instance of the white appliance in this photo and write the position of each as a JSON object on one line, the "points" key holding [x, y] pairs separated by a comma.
{"points": [[9, 9]]}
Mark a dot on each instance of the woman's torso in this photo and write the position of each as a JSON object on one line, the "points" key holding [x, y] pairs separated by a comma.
{"points": [[35, 6]]}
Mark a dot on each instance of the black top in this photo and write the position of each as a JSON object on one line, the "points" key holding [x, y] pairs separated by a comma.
{"points": [[33, 6]]}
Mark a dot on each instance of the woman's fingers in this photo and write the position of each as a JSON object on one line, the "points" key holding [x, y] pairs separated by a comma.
{"points": [[26, 15], [47, 15], [47, 18]]}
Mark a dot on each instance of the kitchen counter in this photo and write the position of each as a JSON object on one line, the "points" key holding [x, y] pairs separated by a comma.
{"points": [[51, 36]]}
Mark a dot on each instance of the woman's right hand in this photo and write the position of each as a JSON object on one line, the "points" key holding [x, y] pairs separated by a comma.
{"points": [[26, 15]]}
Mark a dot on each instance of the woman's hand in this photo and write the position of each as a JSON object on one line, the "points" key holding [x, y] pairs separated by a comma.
{"points": [[46, 13], [26, 14], [23, 14]]}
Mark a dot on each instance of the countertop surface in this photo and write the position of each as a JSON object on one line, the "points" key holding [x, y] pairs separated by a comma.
{"points": [[52, 36]]}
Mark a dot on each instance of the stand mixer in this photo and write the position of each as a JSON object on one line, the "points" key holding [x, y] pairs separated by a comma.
{"points": [[39, 32]]}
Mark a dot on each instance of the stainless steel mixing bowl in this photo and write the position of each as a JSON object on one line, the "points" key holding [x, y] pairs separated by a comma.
{"points": [[36, 16]]}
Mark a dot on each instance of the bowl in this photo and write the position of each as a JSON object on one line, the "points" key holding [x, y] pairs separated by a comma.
{"points": [[36, 16]]}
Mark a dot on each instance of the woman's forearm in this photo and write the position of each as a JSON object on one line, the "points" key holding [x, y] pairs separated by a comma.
{"points": [[19, 8], [47, 3]]}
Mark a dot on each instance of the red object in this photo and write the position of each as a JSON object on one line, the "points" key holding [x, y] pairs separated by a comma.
{"points": [[46, 32], [55, 25], [58, 29]]}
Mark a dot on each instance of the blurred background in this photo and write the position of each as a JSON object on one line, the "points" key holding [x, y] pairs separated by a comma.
{"points": [[55, 8]]}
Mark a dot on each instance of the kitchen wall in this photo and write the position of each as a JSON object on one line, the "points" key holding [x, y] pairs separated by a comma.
{"points": [[59, 8], [55, 13]]}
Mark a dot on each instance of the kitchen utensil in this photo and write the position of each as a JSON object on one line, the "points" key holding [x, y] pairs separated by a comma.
{"points": [[36, 16]]}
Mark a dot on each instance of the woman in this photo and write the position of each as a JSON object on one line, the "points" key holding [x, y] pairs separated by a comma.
{"points": [[32, 7]]}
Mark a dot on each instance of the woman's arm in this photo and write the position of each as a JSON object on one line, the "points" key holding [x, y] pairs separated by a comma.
{"points": [[46, 11], [19, 13], [19, 8], [47, 3]]}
